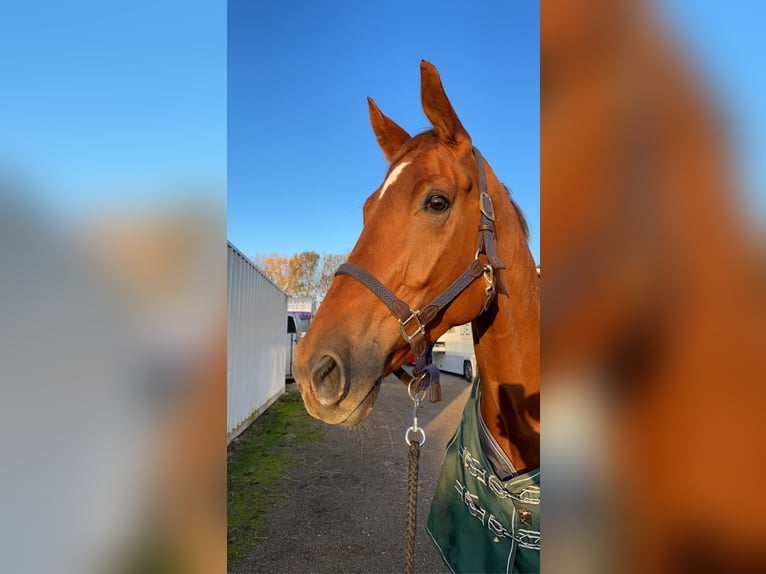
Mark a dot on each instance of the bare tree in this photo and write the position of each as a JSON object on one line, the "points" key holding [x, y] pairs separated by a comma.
{"points": [[330, 263], [305, 274]]}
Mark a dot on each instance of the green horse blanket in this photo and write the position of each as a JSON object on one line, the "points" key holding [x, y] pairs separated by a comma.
{"points": [[479, 522]]}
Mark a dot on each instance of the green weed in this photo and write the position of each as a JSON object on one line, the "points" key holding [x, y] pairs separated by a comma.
{"points": [[258, 462]]}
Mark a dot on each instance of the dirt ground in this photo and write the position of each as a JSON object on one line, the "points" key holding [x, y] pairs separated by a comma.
{"points": [[344, 504]]}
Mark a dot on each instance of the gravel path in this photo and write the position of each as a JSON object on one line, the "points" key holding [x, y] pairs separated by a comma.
{"points": [[345, 505]]}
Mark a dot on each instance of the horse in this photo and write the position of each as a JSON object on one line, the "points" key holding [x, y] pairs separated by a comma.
{"points": [[442, 244]]}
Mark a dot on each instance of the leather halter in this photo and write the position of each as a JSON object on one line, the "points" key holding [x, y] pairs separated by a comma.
{"points": [[413, 324]]}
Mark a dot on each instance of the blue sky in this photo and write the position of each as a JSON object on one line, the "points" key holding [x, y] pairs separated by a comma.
{"points": [[302, 156]]}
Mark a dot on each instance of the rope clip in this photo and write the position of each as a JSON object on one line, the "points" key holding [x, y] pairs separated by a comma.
{"points": [[416, 398]]}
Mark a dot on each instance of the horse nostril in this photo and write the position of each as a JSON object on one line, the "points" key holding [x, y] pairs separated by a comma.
{"points": [[327, 382]]}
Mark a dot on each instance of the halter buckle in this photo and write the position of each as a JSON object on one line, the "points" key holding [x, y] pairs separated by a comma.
{"points": [[485, 205], [421, 330]]}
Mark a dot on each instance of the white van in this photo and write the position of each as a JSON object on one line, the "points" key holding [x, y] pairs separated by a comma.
{"points": [[453, 352], [294, 334]]}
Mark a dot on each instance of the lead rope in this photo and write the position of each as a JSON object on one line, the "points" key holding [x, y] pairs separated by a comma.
{"points": [[412, 507], [412, 478]]}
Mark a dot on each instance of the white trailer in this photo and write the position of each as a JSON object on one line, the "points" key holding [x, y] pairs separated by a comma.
{"points": [[294, 335], [256, 345], [453, 352], [302, 307]]}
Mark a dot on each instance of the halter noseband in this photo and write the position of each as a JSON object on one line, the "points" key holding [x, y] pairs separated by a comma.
{"points": [[412, 324]]}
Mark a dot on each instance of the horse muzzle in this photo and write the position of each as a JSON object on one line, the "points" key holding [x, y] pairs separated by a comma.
{"points": [[329, 390]]}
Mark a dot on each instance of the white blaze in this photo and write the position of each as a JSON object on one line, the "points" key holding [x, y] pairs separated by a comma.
{"points": [[392, 177]]}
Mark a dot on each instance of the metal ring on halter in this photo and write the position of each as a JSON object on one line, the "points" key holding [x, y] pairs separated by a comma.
{"points": [[415, 429], [489, 274], [489, 277], [415, 398]]}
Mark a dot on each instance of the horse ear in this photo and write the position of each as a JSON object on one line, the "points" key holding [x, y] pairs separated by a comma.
{"points": [[390, 135], [437, 107]]}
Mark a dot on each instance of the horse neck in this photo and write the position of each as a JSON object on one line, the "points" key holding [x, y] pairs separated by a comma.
{"points": [[507, 346]]}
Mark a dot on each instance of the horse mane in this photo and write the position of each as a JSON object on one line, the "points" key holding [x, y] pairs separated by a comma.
{"points": [[519, 213], [418, 140], [411, 144]]}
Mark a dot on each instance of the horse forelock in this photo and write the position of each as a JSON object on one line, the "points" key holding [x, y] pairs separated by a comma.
{"points": [[415, 142]]}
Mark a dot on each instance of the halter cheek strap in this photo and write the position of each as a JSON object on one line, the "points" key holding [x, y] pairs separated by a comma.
{"points": [[413, 324], [486, 242]]}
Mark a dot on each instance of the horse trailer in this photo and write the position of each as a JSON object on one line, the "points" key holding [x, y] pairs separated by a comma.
{"points": [[294, 334], [454, 353], [303, 308]]}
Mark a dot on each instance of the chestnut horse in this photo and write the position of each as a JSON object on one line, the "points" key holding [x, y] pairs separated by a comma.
{"points": [[441, 217]]}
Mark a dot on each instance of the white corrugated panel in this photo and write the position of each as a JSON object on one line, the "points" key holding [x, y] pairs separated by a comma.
{"points": [[256, 346]]}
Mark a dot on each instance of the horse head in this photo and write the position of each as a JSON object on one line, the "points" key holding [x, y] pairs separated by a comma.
{"points": [[420, 232]]}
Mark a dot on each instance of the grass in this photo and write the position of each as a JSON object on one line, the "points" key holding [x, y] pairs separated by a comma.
{"points": [[258, 462]]}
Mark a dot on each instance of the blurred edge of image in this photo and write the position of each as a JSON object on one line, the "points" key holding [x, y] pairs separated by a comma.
{"points": [[113, 306], [652, 303], [114, 384]]}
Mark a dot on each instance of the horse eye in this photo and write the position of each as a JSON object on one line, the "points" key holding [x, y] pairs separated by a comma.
{"points": [[437, 203]]}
